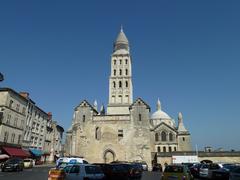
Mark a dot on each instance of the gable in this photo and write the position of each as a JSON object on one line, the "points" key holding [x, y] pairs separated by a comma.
{"points": [[165, 126], [85, 103], [139, 102]]}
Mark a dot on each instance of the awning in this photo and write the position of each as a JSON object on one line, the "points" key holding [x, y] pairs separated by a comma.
{"points": [[16, 152], [36, 152], [4, 156]]}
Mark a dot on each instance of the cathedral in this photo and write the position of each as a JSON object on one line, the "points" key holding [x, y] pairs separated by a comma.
{"points": [[126, 131]]}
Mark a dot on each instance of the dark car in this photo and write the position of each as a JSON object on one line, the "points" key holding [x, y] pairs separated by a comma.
{"points": [[195, 170], [223, 173], [121, 171], [235, 174], [14, 164], [157, 167]]}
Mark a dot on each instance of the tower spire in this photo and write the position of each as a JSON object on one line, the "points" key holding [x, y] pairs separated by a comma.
{"points": [[121, 41], [181, 126], [158, 104]]}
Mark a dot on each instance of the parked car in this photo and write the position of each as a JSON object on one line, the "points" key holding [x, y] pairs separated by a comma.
{"points": [[121, 171], [71, 160], [203, 172], [176, 172], [223, 173], [235, 174], [195, 169], [157, 167], [56, 174], [143, 164], [83, 172], [38, 162], [212, 167], [13, 164], [28, 163]]}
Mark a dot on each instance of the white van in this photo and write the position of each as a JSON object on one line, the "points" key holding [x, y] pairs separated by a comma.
{"points": [[71, 160]]}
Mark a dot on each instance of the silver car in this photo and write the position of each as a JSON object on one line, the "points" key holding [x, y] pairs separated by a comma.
{"points": [[83, 171]]}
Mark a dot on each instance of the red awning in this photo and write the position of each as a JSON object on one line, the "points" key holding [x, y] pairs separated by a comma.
{"points": [[16, 152]]}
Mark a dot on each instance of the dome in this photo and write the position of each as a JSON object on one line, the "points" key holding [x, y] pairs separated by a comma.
{"points": [[159, 114]]}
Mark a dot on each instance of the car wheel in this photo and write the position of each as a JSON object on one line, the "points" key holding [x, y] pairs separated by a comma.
{"points": [[17, 168]]}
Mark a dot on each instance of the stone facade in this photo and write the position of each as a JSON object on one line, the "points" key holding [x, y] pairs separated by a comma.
{"points": [[127, 131]]}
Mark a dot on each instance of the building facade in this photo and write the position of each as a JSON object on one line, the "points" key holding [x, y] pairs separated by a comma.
{"points": [[25, 127], [126, 131]]}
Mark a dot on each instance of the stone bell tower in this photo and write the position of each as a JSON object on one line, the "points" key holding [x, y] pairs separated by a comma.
{"points": [[120, 80]]}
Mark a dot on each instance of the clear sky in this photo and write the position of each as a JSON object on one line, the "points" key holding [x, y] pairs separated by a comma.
{"points": [[187, 53]]}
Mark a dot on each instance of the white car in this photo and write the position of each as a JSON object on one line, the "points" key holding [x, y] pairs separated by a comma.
{"points": [[206, 170], [28, 163], [83, 171]]}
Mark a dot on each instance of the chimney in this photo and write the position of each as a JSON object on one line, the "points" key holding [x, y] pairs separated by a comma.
{"points": [[24, 94], [49, 115]]}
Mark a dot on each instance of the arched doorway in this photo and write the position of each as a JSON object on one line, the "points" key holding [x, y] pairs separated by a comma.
{"points": [[109, 156]]}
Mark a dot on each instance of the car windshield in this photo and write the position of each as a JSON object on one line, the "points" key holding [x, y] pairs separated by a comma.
{"points": [[62, 165], [175, 169], [93, 169], [229, 166], [13, 160], [205, 166], [67, 168]]}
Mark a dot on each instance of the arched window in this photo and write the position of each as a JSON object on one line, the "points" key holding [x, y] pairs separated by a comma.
{"points": [[164, 136], [114, 72], [183, 138], [158, 149], [126, 72], [170, 149], [97, 133], [140, 117], [175, 149], [83, 118], [170, 137], [126, 83], [120, 72], [156, 137], [120, 61], [120, 84], [126, 61], [164, 149], [114, 84], [114, 61]]}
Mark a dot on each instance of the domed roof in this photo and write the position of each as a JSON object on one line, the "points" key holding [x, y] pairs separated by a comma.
{"points": [[159, 114], [121, 42], [121, 37]]}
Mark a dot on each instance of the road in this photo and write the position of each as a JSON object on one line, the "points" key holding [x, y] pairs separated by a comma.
{"points": [[41, 173], [37, 173]]}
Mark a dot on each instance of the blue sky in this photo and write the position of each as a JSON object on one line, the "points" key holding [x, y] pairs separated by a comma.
{"points": [[184, 52]]}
